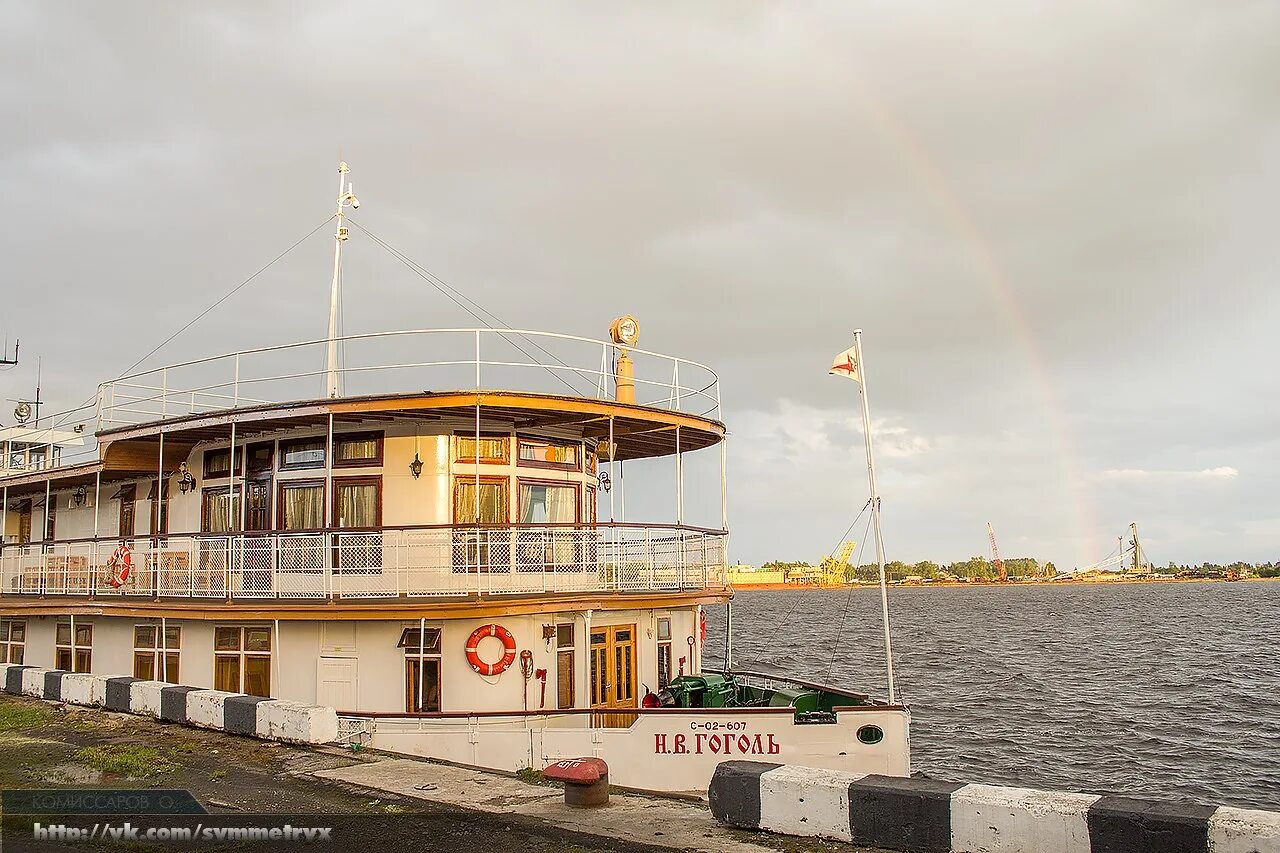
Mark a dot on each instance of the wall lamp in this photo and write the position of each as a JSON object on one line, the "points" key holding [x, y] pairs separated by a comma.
{"points": [[415, 467], [186, 480]]}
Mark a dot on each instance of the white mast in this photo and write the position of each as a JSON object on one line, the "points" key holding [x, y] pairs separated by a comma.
{"points": [[346, 198], [875, 508]]}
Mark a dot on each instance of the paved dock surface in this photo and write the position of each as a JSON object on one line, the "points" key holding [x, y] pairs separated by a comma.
{"points": [[402, 800]]}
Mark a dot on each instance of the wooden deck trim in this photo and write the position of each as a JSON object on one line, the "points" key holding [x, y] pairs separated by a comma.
{"points": [[214, 609]]}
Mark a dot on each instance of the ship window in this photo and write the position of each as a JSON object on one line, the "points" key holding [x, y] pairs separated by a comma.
{"points": [[664, 653], [548, 503], [217, 463], [564, 666], [409, 641], [359, 502], [242, 660], [220, 511], [548, 454], [491, 449], [262, 457], [73, 653], [421, 694], [159, 520], [301, 505], [492, 502], [357, 449], [150, 661], [128, 494], [50, 517], [302, 453], [870, 735], [13, 641]]}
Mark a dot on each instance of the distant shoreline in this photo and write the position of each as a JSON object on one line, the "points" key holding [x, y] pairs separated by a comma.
{"points": [[985, 583]]}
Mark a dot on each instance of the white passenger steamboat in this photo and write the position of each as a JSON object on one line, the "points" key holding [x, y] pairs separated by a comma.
{"points": [[428, 531]]}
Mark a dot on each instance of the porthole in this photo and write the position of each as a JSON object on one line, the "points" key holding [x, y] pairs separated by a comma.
{"points": [[870, 734]]}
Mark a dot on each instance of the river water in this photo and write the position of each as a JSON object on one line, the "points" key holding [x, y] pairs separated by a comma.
{"points": [[1169, 689]]}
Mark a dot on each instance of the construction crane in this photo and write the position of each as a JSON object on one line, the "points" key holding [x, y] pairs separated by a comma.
{"points": [[1001, 574], [1129, 559]]}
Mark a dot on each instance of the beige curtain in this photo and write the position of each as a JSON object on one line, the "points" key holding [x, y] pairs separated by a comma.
{"points": [[358, 505], [303, 507]]}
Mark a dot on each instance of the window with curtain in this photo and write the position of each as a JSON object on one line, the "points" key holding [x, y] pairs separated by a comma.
{"points": [[548, 454], [301, 505], [150, 661], [564, 666], [302, 453], [492, 504], [548, 503], [357, 449], [13, 641], [220, 512], [217, 463], [359, 502], [242, 660], [73, 651], [491, 449]]}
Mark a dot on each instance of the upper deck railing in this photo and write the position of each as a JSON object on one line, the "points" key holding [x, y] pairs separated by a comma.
{"points": [[406, 362], [411, 562]]}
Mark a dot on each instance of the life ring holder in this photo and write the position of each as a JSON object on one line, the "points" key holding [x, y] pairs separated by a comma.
{"points": [[508, 649], [120, 564]]}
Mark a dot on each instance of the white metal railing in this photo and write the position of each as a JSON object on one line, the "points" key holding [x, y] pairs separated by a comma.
{"points": [[409, 562], [406, 361]]}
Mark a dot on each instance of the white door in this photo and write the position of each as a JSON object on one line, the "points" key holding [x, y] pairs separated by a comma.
{"points": [[336, 684]]}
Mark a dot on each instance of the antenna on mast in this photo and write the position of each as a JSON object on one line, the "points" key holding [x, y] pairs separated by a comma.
{"points": [[346, 198]]}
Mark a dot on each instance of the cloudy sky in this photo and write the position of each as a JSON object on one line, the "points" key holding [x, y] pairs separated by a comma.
{"points": [[1054, 222]]}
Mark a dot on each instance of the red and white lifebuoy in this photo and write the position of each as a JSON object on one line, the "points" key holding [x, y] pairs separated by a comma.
{"points": [[508, 649], [121, 563]]}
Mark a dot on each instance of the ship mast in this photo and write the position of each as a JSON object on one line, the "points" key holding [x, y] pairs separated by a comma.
{"points": [[346, 198], [875, 508]]}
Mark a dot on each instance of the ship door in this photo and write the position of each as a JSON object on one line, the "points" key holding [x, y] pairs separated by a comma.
{"points": [[613, 673]]}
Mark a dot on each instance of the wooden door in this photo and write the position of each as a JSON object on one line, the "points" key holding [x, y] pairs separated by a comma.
{"points": [[337, 683], [257, 505], [613, 673]]}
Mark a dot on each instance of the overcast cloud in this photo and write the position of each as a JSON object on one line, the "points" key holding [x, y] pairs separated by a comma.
{"points": [[1054, 222]]}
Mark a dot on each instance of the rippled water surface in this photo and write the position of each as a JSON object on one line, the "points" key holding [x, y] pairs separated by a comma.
{"points": [[1170, 689]]}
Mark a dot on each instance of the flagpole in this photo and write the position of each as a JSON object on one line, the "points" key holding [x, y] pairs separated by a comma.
{"points": [[875, 509]]}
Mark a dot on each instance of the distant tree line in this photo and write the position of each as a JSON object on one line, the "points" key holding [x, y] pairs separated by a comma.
{"points": [[980, 568], [972, 568]]}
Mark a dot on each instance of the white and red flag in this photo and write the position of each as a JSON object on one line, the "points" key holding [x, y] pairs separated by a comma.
{"points": [[846, 364]]}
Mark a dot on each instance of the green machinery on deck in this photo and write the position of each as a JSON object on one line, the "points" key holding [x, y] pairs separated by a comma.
{"points": [[743, 689]]}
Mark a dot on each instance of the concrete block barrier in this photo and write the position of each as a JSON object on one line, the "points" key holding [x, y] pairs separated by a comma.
{"points": [[205, 708], [33, 682], [13, 678], [296, 723], [236, 713], [144, 697], [931, 816], [80, 688], [118, 694]]}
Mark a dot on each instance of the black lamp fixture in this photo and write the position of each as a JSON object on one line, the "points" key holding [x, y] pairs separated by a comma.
{"points": [[80, 495], [605, 482], [415, 467], [186, 480]]}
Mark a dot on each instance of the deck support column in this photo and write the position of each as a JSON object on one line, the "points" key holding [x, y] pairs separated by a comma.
{"points": [[157, 511], [328, 503], [231, 502], [93, 563], [4, 515]]}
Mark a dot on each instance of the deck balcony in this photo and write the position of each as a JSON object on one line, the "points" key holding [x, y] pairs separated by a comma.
{"points": [[412, 562]]}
